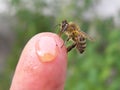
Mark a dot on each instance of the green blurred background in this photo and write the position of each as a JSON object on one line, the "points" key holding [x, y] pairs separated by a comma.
{"points": [[97, 69]]}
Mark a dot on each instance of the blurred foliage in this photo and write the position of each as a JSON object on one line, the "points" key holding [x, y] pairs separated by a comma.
{"points": [[97, 69]]}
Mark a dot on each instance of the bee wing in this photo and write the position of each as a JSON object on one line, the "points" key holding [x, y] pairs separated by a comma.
{"points": [[87, 36]]}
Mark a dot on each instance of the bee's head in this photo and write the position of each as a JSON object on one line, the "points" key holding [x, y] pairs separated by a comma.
{"points": [[64, 26]]}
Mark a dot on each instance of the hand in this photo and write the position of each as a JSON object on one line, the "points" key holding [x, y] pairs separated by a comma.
{"points": [[42, 65]]}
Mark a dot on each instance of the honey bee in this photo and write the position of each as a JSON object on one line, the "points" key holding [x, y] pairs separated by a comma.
{"points": [[74, 33]]}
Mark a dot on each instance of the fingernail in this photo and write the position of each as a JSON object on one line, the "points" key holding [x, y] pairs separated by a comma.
{"points": [[46, 49]]}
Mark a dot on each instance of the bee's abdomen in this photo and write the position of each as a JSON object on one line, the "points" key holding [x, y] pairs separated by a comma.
{"points": [[81, 45]]}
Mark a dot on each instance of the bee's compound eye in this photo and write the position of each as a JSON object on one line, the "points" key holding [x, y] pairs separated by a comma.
{"points": [[64, 24]]}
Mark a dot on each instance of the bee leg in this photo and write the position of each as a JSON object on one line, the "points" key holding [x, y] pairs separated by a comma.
{"points": [[69, 48], [65, 42]]}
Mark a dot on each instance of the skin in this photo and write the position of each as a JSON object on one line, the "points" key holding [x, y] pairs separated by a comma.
{"points": [[42, 64]]}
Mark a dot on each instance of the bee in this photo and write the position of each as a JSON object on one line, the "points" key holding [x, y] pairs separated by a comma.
{"points": [[74, 33]]}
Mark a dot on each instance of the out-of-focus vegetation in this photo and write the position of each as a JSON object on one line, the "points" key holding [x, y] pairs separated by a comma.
{"points": [[97, 69]]}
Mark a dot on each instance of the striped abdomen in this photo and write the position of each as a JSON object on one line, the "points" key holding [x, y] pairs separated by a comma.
{"points": [[81, 45]]}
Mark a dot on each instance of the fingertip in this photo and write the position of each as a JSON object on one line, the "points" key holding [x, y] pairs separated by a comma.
{"points": [[48, 48], [42, 62]]}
